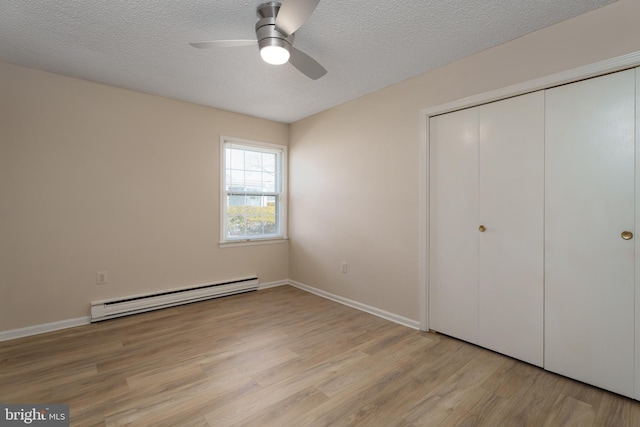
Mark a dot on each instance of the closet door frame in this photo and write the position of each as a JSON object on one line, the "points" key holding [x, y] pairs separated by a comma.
{"points": [[637, 243], [620, 63]]}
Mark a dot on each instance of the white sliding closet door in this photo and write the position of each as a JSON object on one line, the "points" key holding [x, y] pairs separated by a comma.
{"points": [[487, 169], [511, 268], [453, 235], [589, 197]]}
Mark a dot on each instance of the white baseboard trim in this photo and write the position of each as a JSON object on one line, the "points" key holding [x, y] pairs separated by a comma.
{"points": [[273, 284], [79, 321], [413, 324], [43, 328]]}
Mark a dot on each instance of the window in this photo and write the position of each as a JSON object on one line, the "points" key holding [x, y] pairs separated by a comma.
{"points": [[253, 196]]}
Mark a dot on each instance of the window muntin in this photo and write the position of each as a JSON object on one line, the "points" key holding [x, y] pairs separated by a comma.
{"points": [[253, 190]]}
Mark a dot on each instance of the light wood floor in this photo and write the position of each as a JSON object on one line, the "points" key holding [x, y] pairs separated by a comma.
{"points": [[284, 357]]}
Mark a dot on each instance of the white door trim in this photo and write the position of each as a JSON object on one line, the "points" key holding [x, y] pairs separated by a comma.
{"points": [[599, 68]]}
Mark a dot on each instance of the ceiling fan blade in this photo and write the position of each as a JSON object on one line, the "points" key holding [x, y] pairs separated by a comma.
{"points": [[293, 13], [224, 43], [306, 64]]}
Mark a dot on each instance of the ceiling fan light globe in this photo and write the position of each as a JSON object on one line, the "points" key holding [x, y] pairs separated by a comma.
{"points": [[275, 55]]}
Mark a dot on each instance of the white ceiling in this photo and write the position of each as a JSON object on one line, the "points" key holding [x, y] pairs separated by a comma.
{"points": [[364, 45]]}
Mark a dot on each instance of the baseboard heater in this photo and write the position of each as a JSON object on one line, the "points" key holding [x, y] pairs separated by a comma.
{"points": [[108, 309]]}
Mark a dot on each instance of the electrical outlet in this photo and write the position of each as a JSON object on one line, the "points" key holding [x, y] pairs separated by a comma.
{"points": [[343, 267], [102, 277]]}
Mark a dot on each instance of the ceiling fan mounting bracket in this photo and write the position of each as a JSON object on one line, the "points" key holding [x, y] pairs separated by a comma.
{"points": [[268, 9]]}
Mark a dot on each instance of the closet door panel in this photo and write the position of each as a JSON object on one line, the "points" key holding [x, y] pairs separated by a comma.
{"points": [[589, 198], [453, 238], [511, 255]]}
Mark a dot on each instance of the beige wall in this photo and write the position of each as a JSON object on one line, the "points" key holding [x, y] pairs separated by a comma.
{"points": [[354, 169], [97, 178]]}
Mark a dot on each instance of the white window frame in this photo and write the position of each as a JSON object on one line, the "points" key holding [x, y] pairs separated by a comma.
{"points": [[281, 196]]}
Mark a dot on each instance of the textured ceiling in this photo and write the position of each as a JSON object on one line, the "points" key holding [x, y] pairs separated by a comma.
{"points": [[364, 45]]}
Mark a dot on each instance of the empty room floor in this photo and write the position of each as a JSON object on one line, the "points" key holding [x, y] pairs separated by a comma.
{"points": [[285, 357]]}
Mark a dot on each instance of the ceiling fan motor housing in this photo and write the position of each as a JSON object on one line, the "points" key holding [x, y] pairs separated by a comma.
{"points": [[266, 31]]}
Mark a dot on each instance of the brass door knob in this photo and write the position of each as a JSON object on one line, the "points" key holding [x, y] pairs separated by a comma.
{"points": [[482, 228], [626, 235]]}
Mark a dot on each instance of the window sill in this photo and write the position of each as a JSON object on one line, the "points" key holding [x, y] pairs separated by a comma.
{"points": [[252, 242]]}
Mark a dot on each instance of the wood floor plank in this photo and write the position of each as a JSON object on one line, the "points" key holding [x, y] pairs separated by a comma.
{"points": [[286, 411], [343, 380], [458, 393], [174, 405], [284, 357], [569, 411], [614, 411], [368, 387], [324, 363]]}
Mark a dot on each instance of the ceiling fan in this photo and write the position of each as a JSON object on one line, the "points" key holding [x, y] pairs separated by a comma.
{"points": [[275, 30]]}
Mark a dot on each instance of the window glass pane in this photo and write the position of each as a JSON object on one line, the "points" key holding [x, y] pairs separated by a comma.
{"points": [[269, 182], [235, 216], [269, 162], [251, 171], [236, 158], [236, 180], [253, 161], [253, 181], [251, 216]]}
